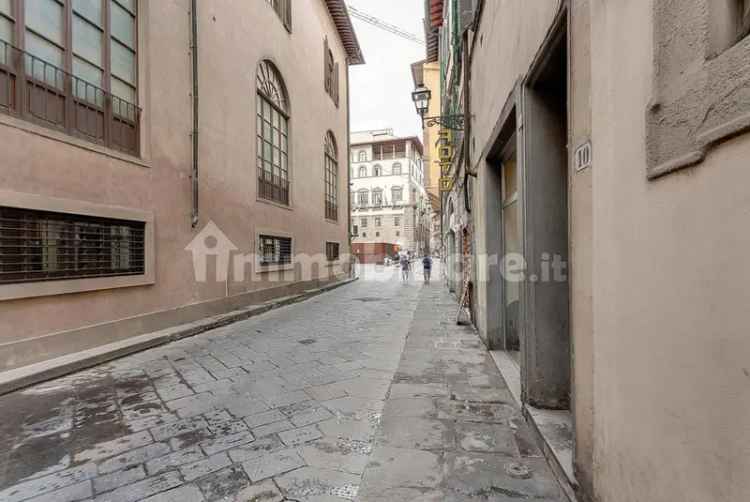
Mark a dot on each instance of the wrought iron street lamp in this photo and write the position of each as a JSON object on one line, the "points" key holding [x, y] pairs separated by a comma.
{"points": [[421, 97]]}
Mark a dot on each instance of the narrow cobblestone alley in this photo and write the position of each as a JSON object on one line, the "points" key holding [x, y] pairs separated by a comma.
{"points": [[369, 392]]}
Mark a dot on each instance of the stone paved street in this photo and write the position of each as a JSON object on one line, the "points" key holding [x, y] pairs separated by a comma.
{"points": [[369, 392]]}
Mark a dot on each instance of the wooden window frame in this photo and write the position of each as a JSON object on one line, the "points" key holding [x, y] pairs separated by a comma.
{"points": [[274, 185], [333, 251], [331, 168], [330, 73], [98, 116], [283, 9]]}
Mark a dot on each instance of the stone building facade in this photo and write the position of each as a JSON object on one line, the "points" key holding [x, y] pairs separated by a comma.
{"points": [[602, 184], [389, 204], [165, 161]]}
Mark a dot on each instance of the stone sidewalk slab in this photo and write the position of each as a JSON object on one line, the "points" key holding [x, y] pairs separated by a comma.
{"points": [[370, 392]]}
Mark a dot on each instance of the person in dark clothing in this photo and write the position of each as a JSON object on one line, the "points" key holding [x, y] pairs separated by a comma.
{"points": [[427, 268]]}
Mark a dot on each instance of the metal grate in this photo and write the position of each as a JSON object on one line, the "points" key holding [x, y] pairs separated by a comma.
{"points": [[45, 94], [43, 246], [332, 251], [275, 250]]}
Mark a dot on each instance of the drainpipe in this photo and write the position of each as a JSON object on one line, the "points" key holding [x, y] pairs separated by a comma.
{"points": [[194, 50], [348, 171], [467, 119]]}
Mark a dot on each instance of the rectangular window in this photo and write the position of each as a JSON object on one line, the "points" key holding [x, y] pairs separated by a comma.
{"points": [[78, 72], [377, 221], [363, 198], [397, 221], [330, 73], [363, 222], [272, 147], [283, 9], [44, 246], [332, 251], [275, 250]]}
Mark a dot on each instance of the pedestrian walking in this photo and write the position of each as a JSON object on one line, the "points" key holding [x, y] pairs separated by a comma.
{"points": [[427, 268], [405, 266]]}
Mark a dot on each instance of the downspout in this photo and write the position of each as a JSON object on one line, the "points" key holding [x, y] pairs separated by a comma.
{"points": [[348, 171], [194, 50], [467, 119]]}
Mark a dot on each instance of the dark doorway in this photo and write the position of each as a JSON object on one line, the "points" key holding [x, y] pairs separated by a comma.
{"points": [[545, 338]]}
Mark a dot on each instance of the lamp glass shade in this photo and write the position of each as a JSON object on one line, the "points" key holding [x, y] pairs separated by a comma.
{"points": [[421, 97]]}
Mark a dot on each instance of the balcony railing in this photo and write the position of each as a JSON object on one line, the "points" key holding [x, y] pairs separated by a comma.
{"points": [[332, 211], [273, 187], [40, 92]]}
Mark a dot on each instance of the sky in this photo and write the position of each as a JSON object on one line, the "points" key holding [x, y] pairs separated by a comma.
{"points": [[381, 88]]}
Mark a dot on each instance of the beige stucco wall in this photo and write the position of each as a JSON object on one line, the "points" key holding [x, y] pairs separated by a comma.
{"points": [[509, 35], [671, 292], [581, 242], [231, 45], [431, 76]]}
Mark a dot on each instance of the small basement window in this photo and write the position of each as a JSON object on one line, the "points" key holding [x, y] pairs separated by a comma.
{"points": [[332, 251], [275, 250], [46, 246]]}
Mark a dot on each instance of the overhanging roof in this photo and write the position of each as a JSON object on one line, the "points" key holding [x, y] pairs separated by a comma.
{"points": [[343, 23], [432, 23]]}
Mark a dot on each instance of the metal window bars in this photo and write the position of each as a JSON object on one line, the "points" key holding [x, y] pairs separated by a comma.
{"points": [[38, 91], [42, 246]]}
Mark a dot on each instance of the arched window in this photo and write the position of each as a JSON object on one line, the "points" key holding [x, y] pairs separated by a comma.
{"points": [[363, 197], [377, 197], [362, 172], [396, 169], [362, 156], [272, 131], [397, 194], [377, 170], [331, 168]]}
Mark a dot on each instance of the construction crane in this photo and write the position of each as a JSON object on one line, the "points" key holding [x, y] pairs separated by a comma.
{"points": [[379, 23]]}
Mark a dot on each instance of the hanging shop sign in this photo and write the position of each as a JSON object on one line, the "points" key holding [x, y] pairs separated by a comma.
{"points": [[446, 183]]}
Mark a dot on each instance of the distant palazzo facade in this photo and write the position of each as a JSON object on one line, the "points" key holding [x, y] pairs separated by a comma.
{"points": [[389, 203]]}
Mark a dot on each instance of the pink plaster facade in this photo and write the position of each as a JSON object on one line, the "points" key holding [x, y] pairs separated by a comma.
{"points": [[233, 37]]}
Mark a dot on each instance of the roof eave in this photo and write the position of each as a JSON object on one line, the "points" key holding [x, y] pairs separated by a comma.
{"points": [[345, 29]]}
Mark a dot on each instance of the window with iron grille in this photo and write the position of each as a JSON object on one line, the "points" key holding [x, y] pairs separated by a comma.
{"points": [[274, 250], [330, 159], [332, 251], [283, 9], [396, 169], [72, 66], [44, 246], [272, 131], [331, 73]]}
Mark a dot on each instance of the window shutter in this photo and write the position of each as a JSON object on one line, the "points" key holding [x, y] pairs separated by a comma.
{"points": [[326, 76], [336, 84]]}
